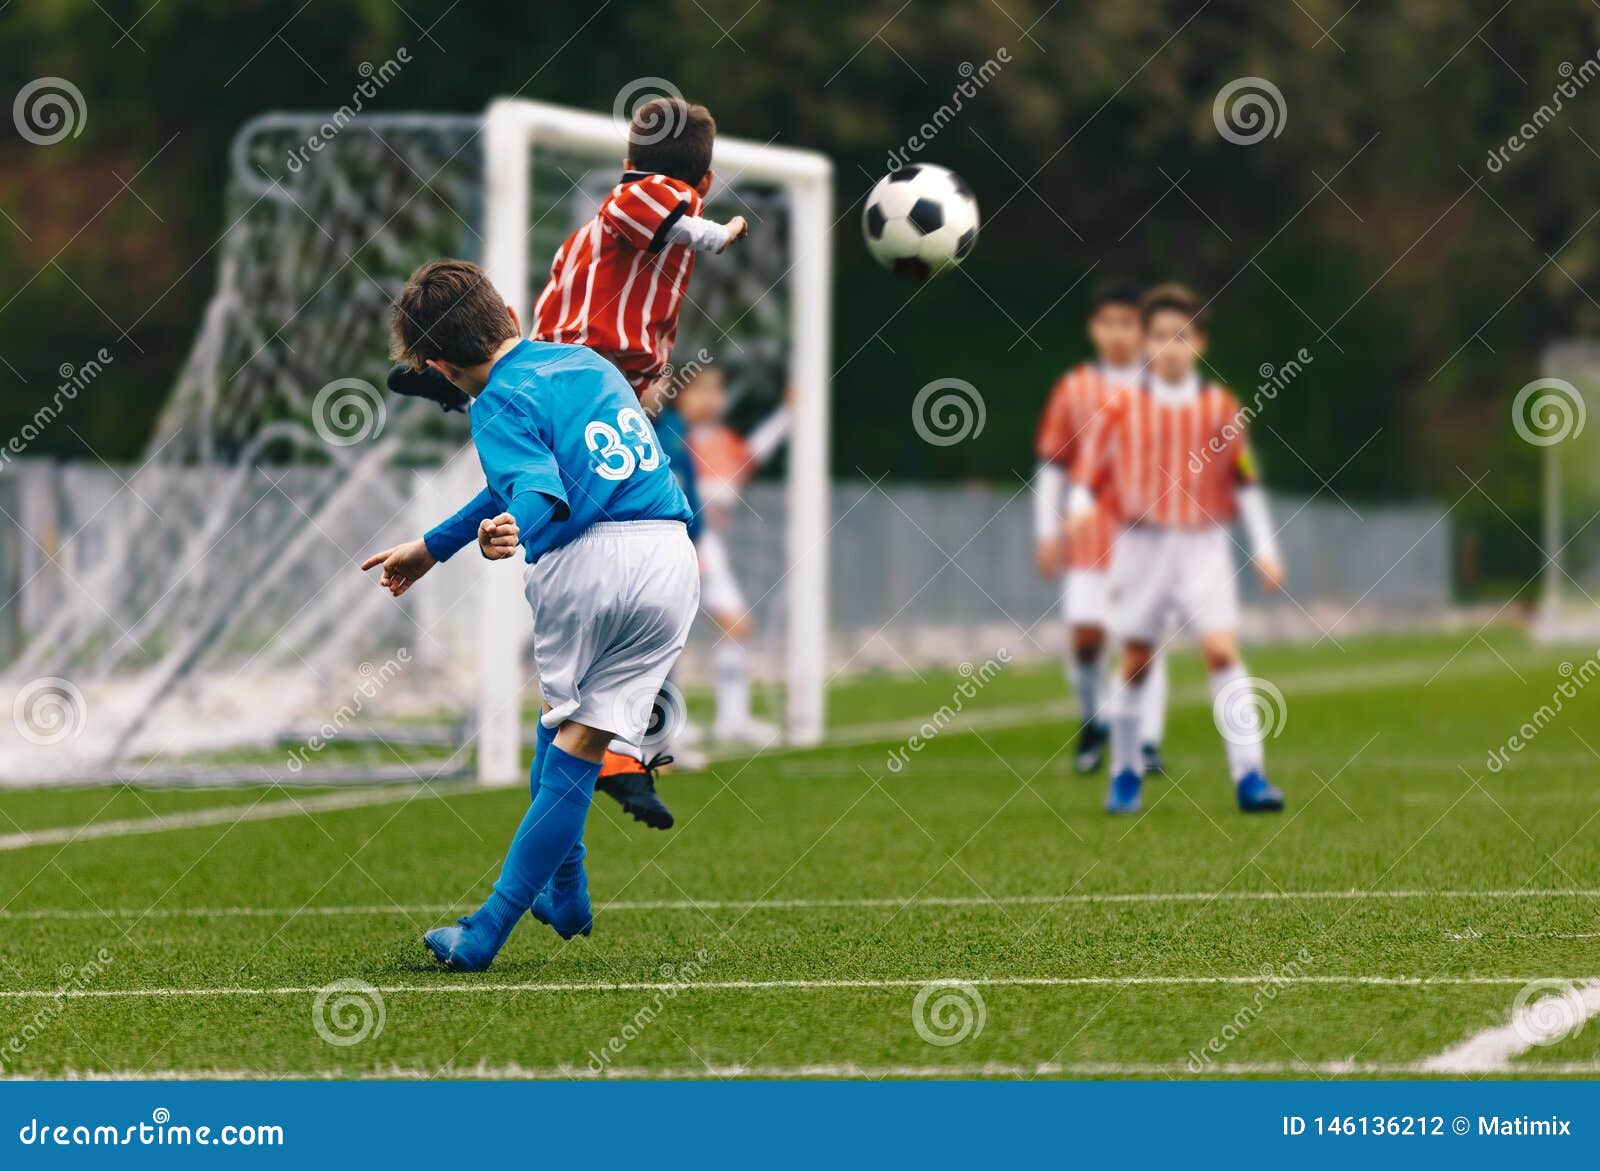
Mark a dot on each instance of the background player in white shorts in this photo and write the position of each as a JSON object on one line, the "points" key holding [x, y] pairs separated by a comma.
{"points": [[724, 461], [1178, 456], [576, 475], [1082, 561]]}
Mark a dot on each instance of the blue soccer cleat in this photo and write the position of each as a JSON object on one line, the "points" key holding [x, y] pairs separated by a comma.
{"points": [[566, 910], [463, 948], [1123, 795], [1257, 795]]}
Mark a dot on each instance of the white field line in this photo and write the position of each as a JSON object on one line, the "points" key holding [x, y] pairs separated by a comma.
{"points": [[234, 813], [474, 988], [1541, 1022], [695, 905], [821, 1070]]}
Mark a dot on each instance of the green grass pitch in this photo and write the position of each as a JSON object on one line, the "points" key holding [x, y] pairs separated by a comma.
{"points": [[790, 925]]}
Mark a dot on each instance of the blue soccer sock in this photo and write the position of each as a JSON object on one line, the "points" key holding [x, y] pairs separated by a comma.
{"points": [[543, 739], [550, 829]]}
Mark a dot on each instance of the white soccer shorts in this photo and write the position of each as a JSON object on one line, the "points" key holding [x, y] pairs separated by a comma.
{"points": [[1160, 574], [611, 614], [719, 588], [1086, 597]]}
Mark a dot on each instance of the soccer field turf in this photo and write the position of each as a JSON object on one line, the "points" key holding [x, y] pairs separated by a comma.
{"points": [[789, 925]]}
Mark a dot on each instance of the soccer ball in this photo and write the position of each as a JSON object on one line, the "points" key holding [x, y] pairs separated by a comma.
{"points": [[920, 220]]}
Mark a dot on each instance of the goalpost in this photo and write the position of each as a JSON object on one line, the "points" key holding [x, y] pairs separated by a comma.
{"points": [[512, 129], [206, 600], [1559, 413]]}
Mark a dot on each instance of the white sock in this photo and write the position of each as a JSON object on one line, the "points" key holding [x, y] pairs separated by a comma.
{"points": [[1153, 707], [731, 683], [1122, 713], [1087, 680], [1237, 714]]}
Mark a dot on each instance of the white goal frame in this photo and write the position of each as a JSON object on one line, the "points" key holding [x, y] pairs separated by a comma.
{"points": [[511, 129]]}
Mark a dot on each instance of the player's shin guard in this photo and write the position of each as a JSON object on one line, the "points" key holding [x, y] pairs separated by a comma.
{"points": [[1088, 678], [1238, 723], [731, 682], [1122, 713], [550, 829], [1153, 703]]}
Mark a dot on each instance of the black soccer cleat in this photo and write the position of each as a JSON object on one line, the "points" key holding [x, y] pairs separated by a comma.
{"points": [[1091, 750], [428, 383], [633, 784], [1150, 755]]}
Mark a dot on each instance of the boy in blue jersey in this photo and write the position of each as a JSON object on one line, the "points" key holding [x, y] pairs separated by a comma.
{"points": [[571, 461]]}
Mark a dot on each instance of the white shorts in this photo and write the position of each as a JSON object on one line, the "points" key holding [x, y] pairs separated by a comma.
{"points": [[719, 588], [611, 612], [1162, 574], [1086, 597]]}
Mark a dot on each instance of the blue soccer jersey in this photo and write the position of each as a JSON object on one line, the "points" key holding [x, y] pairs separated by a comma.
{"points": [[564, 445]]}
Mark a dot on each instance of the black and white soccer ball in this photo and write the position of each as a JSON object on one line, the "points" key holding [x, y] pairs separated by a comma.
{"points": [[920, 221]]}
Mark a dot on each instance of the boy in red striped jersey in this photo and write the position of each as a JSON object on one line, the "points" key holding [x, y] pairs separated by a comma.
{"points": [[1083, 562], [1176, 454], [618, 282]]}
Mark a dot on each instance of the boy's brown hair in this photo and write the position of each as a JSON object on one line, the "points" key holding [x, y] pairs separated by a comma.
{"points": [[449, 311], [1173, 296], [673, 138]]}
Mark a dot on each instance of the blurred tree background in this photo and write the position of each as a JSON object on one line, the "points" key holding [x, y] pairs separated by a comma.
{"points": [[1370, 231]]}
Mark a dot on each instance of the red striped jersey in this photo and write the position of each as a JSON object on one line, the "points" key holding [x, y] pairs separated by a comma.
{"points": [[1170, 461], [616, 284], [1076, 400]]}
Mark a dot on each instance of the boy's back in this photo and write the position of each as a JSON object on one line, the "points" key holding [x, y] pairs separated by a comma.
{"points": [[560, 421]]}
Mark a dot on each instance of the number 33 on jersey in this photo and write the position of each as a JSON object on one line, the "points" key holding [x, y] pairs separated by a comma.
{"points": [[562, 421], [625, 448]]}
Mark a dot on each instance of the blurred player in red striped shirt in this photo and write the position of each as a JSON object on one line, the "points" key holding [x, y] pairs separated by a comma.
{"points": [[1175, 452], [1083, 561], [618, 282]]}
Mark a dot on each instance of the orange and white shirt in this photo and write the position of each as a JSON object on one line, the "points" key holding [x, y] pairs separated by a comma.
{"points": [[617, 283], [724, 460], [1076, 401], [1175, 454]]}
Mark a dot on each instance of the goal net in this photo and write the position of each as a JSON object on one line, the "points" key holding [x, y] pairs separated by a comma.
{"points": [[206, 619], [1560, 414]]}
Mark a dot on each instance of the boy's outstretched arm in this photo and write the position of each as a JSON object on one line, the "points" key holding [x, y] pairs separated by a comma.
{"points": [[402, 565], [459, 530], [705, 235]]}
